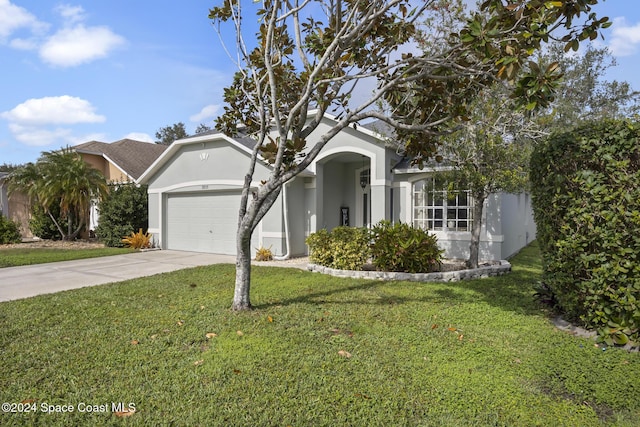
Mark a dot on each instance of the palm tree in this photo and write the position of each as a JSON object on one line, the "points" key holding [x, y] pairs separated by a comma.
{"points": [[61, 177]]}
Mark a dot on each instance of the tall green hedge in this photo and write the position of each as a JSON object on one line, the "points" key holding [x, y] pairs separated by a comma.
{"points": [[124, 211], [586, 199]]}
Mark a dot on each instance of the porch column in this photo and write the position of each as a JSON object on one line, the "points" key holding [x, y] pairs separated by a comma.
{"points": [[319, 194], [379, 203]]}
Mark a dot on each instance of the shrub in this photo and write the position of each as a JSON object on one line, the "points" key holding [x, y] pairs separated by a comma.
{"points": [[345, 248], [123, 210], [350, 248], [401, 247], [41, 224], [9, 231], [320, 248], [137, 240], [586, 201], [264, 254]]}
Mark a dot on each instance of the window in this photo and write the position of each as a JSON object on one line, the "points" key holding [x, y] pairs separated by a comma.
{"points": [[436, 208]]}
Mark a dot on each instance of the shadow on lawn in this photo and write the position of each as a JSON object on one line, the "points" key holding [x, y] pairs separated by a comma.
{"points": [[512, 292]]}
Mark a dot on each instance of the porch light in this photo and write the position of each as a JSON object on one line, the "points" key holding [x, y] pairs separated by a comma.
{"points": [[363, 177], [363, 182]]}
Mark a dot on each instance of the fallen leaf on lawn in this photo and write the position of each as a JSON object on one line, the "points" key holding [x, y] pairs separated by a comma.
{"points": [[198, 362], [270, 319], [435, 325], [460, 337], [180, 322], [27, 401], [202, 307], [362, 395], [211, 335], [237, 371], [125, 413], [452, 329], [344, 354], [154, 336], [240, 333], [135, 342]]}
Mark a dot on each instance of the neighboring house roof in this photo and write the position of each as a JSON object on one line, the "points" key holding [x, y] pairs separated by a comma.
{"points": [[131, 156]]}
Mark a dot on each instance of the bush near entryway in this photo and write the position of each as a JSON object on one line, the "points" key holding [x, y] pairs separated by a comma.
{"points": [[586, 199], [122, 212], [391, 247], [403, 248], [344, 248], [9, 231]]}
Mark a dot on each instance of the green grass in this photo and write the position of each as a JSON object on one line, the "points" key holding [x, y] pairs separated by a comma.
{"points": [[26, 256], [477, 353]]}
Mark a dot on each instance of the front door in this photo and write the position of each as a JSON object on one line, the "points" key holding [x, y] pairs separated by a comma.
{"points": [[363, 205]]}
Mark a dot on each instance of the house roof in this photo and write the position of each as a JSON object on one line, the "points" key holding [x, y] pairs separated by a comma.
{"points": [[243, 142], [131, 156]]}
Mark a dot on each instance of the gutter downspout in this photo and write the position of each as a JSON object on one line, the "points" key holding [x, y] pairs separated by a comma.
{"points": [[285, 212]]}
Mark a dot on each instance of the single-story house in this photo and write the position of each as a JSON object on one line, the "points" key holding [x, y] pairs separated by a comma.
{"points": [[356, 180]]}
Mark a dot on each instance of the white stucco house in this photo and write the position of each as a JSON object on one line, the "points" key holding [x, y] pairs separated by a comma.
{"points": [[357, 180]]}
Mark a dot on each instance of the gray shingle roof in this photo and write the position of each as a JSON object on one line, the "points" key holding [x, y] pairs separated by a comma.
{"points": [[133, 157]]}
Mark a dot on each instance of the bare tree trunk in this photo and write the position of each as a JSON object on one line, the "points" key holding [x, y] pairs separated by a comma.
{"points": [[241, 296], [62, 235], [476, 227], [248, 220]]}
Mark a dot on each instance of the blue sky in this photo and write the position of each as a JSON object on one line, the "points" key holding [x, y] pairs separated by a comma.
{"points": [[109, 69]]}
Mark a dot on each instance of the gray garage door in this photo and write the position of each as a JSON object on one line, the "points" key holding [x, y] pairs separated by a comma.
{"points": [[203, 222]]}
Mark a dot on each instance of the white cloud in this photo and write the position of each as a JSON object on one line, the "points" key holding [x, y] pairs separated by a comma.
{"points": [[624, 38], [71, 14], [39, 137], [75, 140], [74, 46], [139, 136], [208, 113], [13, 18], [53, 110]]}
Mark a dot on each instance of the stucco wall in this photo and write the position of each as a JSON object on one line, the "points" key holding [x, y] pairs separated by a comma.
{"points": [[518, 226]]}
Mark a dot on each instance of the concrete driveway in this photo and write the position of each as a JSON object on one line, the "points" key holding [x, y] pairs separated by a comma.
{"points": [[31, 280]]}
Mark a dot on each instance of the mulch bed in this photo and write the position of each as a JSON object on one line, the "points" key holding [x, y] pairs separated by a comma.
{"points": [[55, 244]]}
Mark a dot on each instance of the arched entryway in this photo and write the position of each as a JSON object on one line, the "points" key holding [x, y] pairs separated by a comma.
{"points": [[344, 191]]}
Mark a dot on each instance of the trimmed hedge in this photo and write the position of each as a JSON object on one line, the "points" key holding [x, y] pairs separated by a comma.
{"points": [[403, 248], [344, 248], [392, 247], [586, 199]]}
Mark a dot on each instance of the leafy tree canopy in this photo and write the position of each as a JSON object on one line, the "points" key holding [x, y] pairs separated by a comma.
{"points": [[309, 55], [166, 135]]}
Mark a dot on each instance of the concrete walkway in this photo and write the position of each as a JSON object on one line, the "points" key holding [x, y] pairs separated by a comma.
{"points": [[31, 280]]}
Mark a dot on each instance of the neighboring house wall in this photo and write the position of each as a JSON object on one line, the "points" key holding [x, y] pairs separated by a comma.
{"points": [[15, 207]]}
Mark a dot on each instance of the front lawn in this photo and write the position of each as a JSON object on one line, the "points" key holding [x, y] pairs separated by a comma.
{"points": [[12, 257], [316, 351]]}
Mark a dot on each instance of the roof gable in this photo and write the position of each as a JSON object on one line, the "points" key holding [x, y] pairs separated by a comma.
{"points": [[131, 156]]}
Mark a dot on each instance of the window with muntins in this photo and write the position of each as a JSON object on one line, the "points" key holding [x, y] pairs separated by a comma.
{"points": [[435, 208]]}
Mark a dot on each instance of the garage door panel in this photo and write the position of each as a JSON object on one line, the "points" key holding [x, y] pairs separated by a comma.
{"points": [[203, 222]]}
